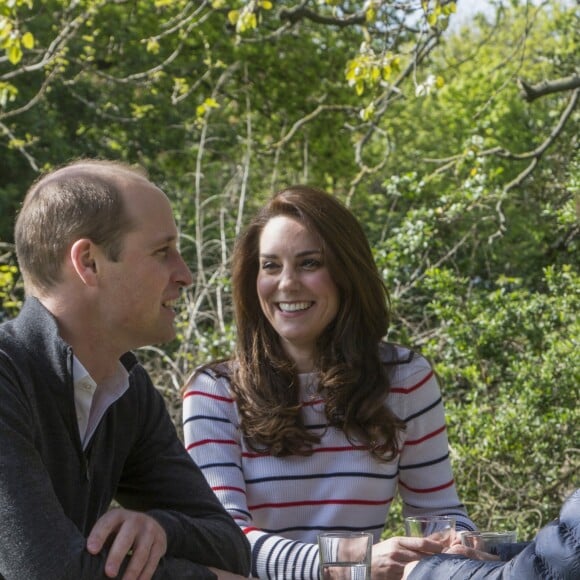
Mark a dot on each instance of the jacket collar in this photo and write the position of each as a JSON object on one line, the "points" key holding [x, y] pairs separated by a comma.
{"points": [[38, 332]]}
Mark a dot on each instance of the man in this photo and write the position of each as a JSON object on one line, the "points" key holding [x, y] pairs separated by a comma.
{"points": [[80, 421]]}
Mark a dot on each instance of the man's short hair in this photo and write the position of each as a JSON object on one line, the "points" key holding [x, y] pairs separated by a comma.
{"points": [[79, 200]]}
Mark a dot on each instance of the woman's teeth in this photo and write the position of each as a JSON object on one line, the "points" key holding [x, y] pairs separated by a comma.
{"points": [[294, 306]]}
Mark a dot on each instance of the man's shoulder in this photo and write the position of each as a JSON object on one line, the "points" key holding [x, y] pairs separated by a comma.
{"points": [[32, 324], [8, 330], [32, 339], [13, 343]]}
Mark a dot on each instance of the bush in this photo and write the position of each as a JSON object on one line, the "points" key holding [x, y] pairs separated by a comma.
{"points": [[509, 362]]}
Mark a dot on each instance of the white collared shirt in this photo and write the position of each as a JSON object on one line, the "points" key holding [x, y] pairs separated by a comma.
{"points": [[92, 400]]}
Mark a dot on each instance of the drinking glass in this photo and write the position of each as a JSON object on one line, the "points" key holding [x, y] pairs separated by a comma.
{"points": [[423, 526], [345, 555], [485, 541]]}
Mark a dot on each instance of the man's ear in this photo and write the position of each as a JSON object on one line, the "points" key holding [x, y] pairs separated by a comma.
{"points": [[82, 255]]}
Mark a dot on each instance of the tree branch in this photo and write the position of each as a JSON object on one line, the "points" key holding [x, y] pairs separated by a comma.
{"points": [[309, 117], [300, 12], [32, 162], [532, 92], [539, 151], [534, 155], [34, 100]]}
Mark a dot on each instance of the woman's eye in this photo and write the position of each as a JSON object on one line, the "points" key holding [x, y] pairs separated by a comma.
{"points": [[269, 265], [310, 264]]}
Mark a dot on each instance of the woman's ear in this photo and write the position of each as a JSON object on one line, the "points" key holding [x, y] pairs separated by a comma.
{"points": [[82, 255]]}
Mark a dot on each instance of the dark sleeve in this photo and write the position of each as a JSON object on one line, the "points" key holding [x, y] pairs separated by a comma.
{"points": [[178, 568], [555, 552], [506, 552], [452, 567], [37, 539], [162, 479]]}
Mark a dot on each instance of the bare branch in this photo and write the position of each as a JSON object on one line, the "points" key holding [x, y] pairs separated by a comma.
{"points": [[532, 92], [364, 171], [54, 50], [539, 151], [422, 50], [247, 154], [21, 148], [420, 273], [309, 117], [33, 101], [300, 12], [534, 154], [183, 19]]}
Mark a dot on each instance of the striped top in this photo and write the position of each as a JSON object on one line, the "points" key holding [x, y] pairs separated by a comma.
{"points": [[283, 503]]}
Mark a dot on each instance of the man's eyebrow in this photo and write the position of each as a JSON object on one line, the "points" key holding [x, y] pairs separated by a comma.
{"points": [[165, 240]]}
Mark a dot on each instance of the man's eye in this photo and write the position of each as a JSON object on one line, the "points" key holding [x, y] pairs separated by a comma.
{"points": [[163, 251]]}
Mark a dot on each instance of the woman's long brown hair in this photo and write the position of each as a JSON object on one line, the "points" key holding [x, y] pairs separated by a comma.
{"points": [[351, 377]]}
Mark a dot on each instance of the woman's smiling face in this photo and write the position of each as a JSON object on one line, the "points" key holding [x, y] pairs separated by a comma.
{"points": [[296, 292]]}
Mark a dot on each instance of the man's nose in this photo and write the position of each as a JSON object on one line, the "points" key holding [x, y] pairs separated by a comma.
{"points": [[183, 275]]}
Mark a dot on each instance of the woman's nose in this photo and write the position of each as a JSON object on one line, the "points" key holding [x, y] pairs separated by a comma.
{"points": [[289, 278]]}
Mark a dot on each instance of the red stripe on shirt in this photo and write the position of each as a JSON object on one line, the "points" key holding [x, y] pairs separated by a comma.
{"points": [[428, 436], [313, 402], [428, 490], [228, 488], [202, 394], [321, 502], [248, 530], [406, 390], [206, 441]]}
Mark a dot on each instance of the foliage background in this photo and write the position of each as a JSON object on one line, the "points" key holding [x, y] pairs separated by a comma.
{"points": [[466, 182]]}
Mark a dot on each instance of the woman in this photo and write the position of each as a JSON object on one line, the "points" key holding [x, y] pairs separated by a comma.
{"points": [[315, 423]]}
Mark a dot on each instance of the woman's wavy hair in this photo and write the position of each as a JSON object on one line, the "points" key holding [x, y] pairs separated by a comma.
{"points": [[351, 377]]}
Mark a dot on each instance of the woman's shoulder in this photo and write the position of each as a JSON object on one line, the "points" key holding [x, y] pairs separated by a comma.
{"points": [[211, 376], [403, 362], [217, 369], [392, 354]]}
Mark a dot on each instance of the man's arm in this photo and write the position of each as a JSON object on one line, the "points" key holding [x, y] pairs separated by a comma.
{"points": [[37, 538], [161, 479]]}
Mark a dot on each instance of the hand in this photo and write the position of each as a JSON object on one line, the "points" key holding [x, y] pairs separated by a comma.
{"points": [[458, 549], [135, 534], [472, 553], [455, 539], [390, 557], [225, 575]]}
